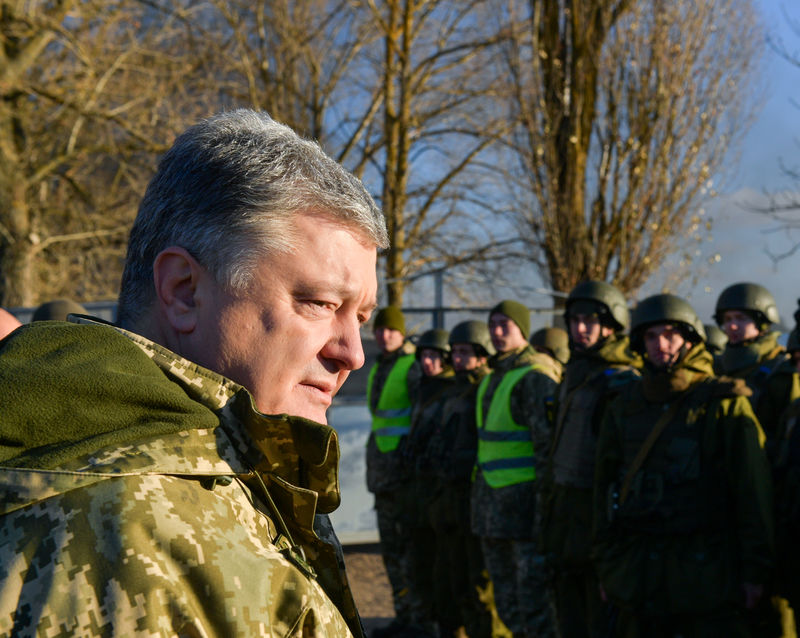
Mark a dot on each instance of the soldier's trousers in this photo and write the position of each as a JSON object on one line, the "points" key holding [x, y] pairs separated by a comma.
{"points": [[727, 623], [580, 611], [459, 573], [518, 573], [392, 527]]}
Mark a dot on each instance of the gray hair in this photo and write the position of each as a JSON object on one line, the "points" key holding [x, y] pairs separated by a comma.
{"points": [[227, 192]]}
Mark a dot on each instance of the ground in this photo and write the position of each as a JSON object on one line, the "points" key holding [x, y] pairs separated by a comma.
{"points": [[370, 585]]}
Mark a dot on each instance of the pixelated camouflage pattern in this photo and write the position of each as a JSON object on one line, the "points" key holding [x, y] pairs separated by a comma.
{"points": [[523, 599], [388, 478], [509, 512], [175, 535]]}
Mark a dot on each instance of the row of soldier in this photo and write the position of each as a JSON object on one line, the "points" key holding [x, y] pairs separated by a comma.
{"points": [[613, 479]]}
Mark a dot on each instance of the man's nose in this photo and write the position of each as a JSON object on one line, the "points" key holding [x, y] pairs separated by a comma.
{"points": [[345, 346]]}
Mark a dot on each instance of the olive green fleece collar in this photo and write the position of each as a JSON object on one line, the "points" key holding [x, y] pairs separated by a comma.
{"points": [[99, 387], [661, 384], [737, 358], [614, 350]]}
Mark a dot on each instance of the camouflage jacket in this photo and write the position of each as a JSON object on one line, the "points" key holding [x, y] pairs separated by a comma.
{"points": [[426, 416], [680, 531], [768, 372], [386, 472], [509, 512], [144, 495], [453, 445]]}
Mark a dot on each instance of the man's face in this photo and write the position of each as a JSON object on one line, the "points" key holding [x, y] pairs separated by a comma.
{"points": [[739, 326], [388, 339], [505, 334], [293, 337], [431, 361], [663, 343], [587, 330], [464, 357]]}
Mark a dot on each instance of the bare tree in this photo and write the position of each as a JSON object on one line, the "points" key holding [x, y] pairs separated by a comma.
{"points": [[439, 117], [396, 90], [84, 108], [286, 57], [783, 205], [626, 111]]}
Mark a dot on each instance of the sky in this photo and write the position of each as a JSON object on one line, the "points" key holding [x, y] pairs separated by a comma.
{"points": [[741, 241]]}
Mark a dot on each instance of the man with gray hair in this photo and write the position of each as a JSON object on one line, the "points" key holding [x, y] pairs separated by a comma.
{"points": [[144, 488]]}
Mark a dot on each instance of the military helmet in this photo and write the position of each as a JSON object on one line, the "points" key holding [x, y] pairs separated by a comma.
{"points": [[664, 309], [751, 298], [553, 340], [435, 339], [716, 339], [473, 332], [604, 299], [57, 310]]}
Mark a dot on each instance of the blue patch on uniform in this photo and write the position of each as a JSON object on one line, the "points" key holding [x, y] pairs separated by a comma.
{"points": [[618, 377]]}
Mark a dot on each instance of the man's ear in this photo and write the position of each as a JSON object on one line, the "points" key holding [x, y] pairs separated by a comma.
{"points": [[176, 276]]}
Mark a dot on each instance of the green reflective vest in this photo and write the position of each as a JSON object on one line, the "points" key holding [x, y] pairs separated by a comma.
{"points": [[392, 417], [505, 449]]}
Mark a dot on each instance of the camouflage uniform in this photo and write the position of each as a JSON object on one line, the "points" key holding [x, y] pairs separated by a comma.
{"points": [[387, 475], [772, 377], [504, 517], [768, 372], [786, 472], [426, 416], [696, 523], [144, 495], [591, 380], [459, 570]]}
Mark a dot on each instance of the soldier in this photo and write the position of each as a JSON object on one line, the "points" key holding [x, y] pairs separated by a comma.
{"points": [[392, 386], [786, 473], [459, 572], [145, 488], [433, 353], [683, 534], [746, 312], [552, 341], [513, 417], [716, 339], [600, 365]]}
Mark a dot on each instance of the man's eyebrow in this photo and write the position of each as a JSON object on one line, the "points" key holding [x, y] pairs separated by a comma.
{"points": [[322, 287]]}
